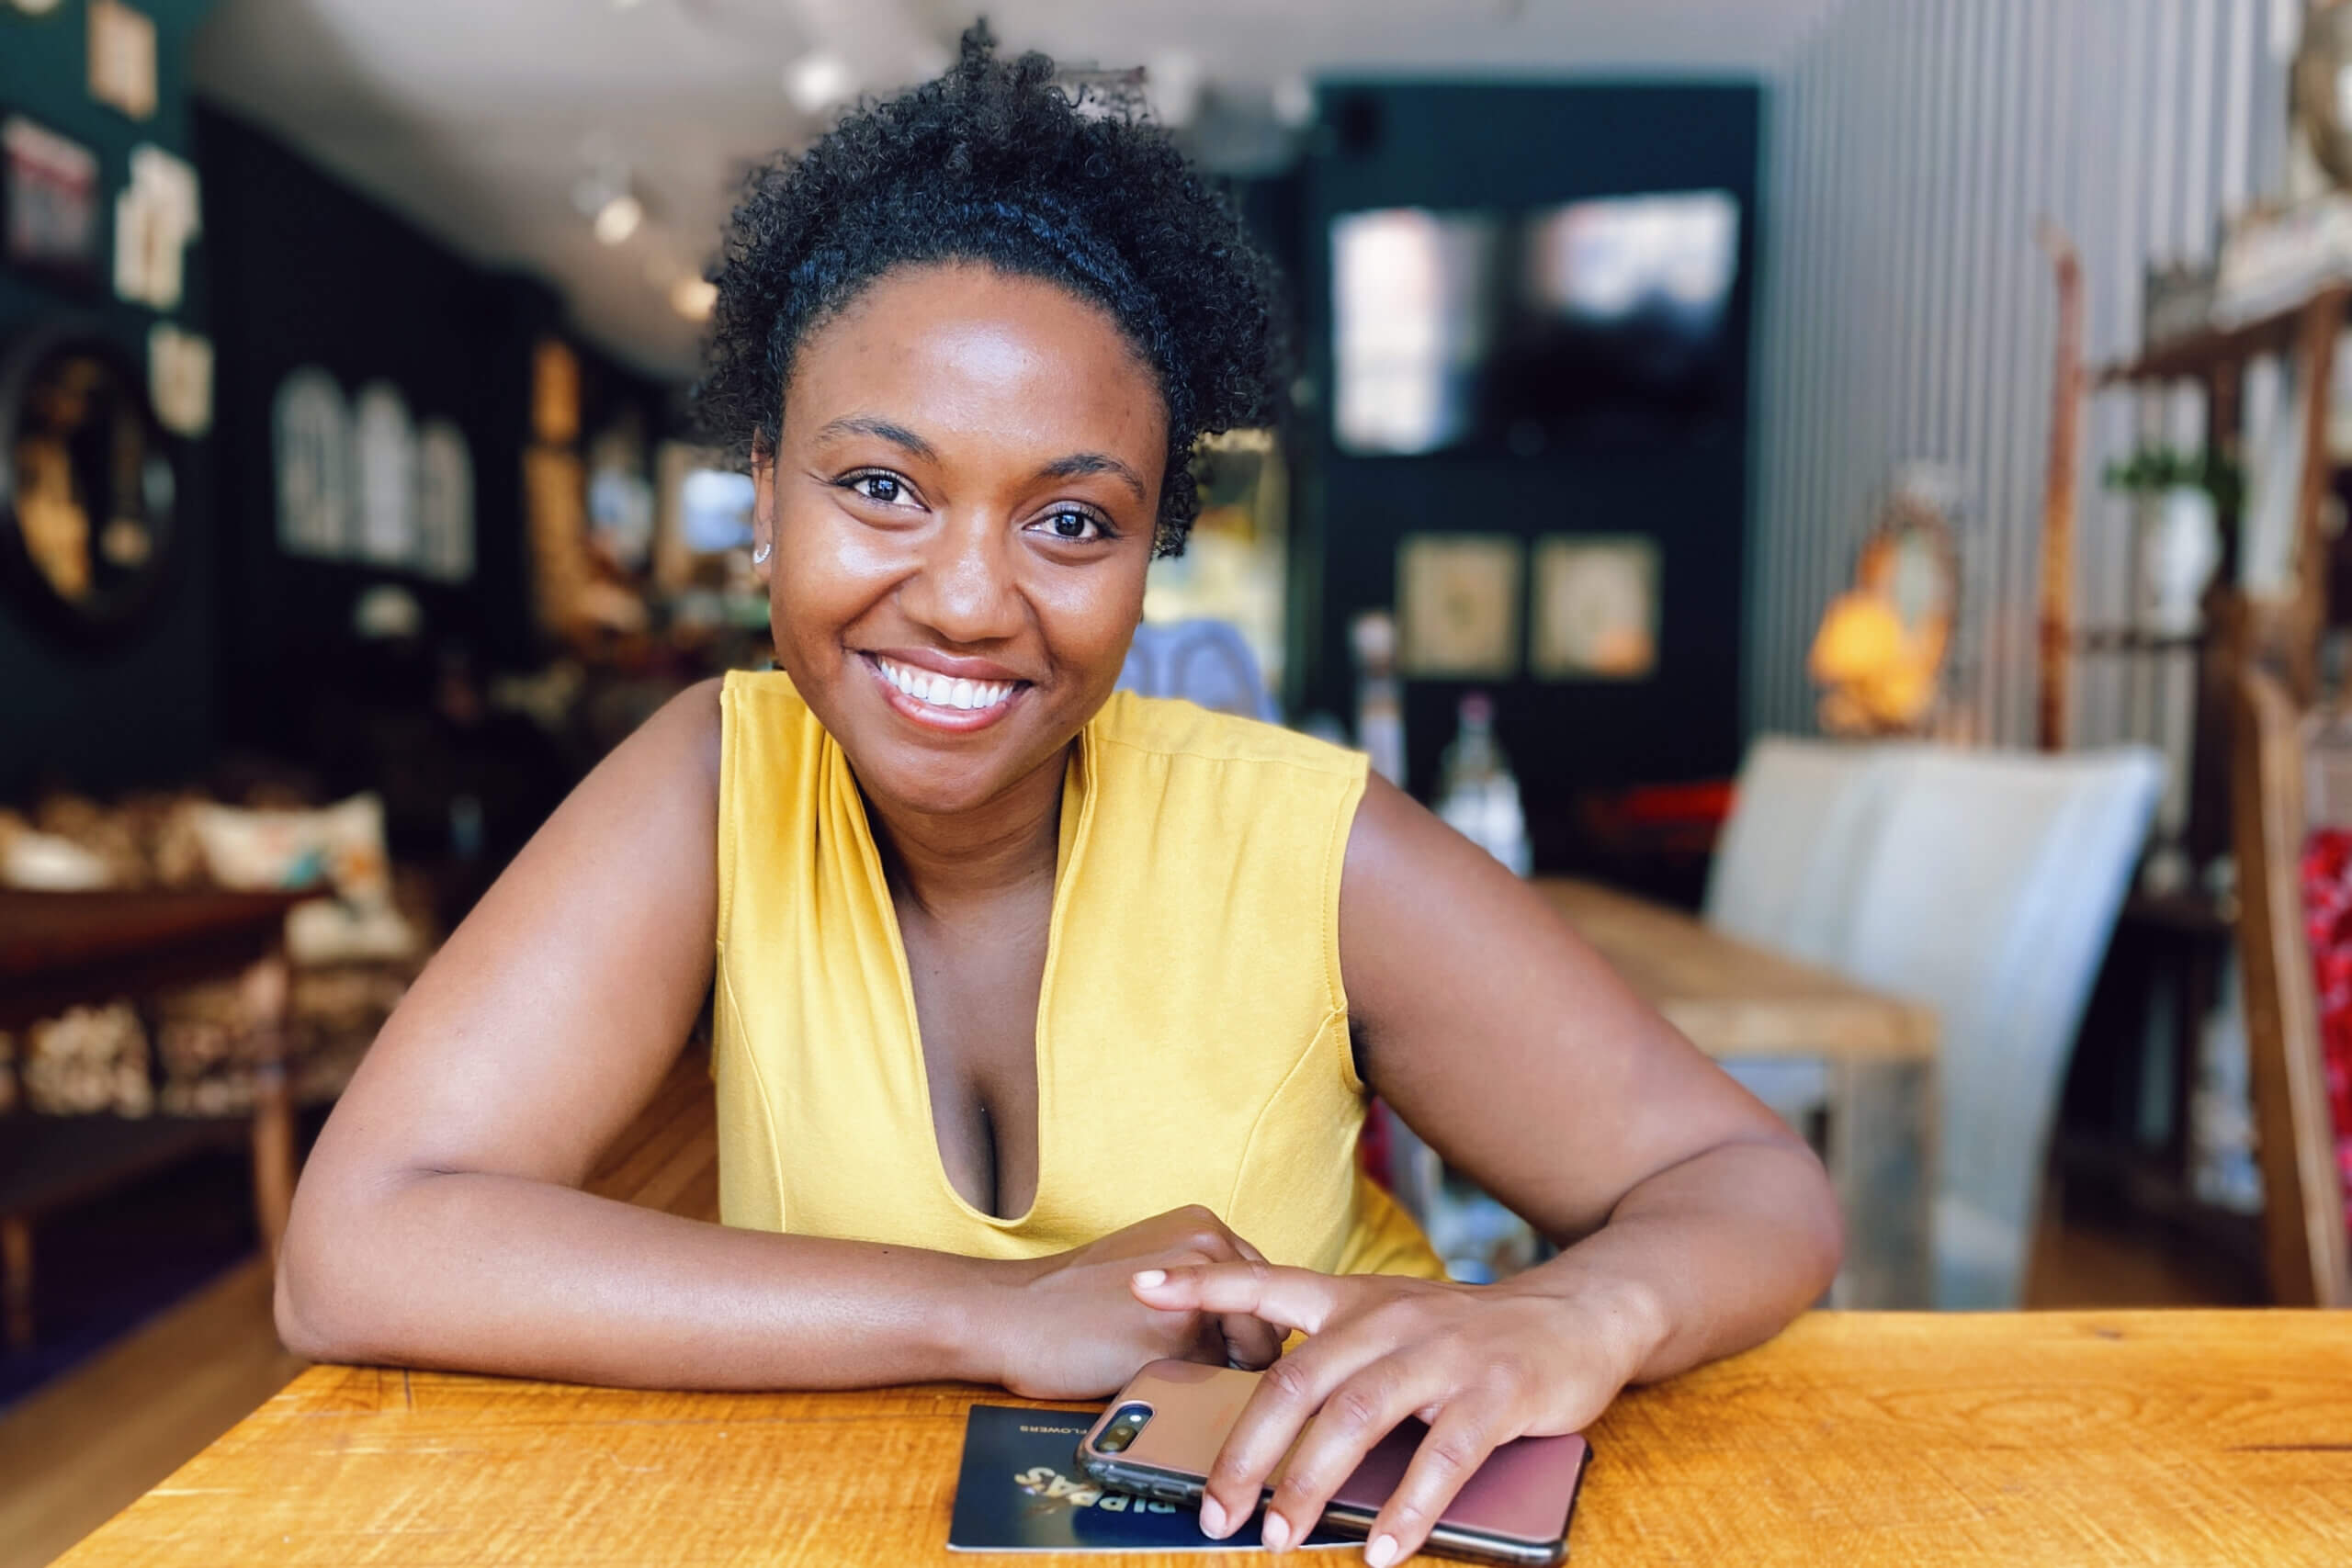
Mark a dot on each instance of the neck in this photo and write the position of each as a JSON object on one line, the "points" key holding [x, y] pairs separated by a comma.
{"points": [[946, 863]]}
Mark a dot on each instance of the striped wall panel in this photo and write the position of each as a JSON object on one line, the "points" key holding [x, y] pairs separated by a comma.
{"points": [[1908, 313]]}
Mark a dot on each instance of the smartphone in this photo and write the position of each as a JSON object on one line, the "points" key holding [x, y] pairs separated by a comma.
{"points": [[1159, 1436]]}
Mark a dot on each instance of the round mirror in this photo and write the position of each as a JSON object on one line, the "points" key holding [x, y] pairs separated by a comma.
{"points": [[87, 487]]}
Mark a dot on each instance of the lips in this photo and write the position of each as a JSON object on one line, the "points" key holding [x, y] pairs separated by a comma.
{"points": [[955, 704], [944, 691]]}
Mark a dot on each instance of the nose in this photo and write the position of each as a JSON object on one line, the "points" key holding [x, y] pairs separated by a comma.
{"points": [[964, 588]]}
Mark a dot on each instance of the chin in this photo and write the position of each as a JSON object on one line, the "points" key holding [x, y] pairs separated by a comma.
{"points": [[940, 783]]}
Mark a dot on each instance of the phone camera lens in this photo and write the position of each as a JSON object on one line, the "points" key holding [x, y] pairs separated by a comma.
{"points": [[1123, 1428]]}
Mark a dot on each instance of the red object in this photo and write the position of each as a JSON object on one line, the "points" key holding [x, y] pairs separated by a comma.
{"points": [[1691, 803], [2327, 926]]}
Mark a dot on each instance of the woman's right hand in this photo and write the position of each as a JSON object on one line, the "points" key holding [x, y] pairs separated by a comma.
{"points": [[1071, 1327]]}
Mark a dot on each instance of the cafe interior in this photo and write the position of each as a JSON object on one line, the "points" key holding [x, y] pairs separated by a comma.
{"points": [[1846, 497]]}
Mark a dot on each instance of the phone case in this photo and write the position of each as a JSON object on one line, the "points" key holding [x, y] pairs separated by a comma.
{"points": [[1514, 1510]]}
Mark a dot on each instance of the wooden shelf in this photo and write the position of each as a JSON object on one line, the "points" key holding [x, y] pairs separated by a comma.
{"points": [[2132, 639], [50, 1162], [2203, 354]]}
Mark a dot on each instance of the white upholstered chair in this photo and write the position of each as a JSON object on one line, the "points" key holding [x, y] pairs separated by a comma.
{"points": [[1989, 891]]}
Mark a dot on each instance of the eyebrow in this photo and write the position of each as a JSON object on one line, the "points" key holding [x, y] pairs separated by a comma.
{"points": [[898, 435], [1077, 465], [1083, 463]]}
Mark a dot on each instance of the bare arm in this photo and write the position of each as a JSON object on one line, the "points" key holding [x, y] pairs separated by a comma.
{"points": [[1694, 1222], [440, 1222], [1506, 1042]]}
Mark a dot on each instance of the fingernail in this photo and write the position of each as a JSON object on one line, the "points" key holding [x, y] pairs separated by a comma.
{"points": [[1150, 1277], [1213, 1524], [1275, 1533], [1381, 1552]]}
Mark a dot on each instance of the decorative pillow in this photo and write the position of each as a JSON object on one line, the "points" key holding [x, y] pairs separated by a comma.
{"points": [[48, 864], [340, 845]]}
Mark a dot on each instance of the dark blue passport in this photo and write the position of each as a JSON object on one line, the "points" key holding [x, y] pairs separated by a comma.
{"points": [[1020, 1490]]}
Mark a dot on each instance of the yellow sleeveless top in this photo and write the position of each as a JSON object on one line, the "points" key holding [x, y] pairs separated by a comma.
{"points": [[1192, 1031]]}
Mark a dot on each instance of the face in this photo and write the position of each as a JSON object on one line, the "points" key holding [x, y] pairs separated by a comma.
{"points": [[960, 508]]}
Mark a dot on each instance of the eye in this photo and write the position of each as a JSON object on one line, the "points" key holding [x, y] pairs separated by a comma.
{"points": [[876, 485], [1074, 524]]}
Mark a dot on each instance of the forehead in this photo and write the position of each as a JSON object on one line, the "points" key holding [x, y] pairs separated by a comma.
{"points": [[961, 350]]}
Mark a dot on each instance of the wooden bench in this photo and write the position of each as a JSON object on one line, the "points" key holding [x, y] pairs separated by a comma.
{"points": [[63, 950]]}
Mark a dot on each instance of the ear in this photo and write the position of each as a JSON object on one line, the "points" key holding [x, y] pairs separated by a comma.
{"points": [[762, 513]]}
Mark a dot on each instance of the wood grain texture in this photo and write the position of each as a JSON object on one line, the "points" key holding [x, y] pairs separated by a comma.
{"points": [[2014, 1440], [1732, 1000], [2058, 480], [2304, 1244], [78, 1451]]}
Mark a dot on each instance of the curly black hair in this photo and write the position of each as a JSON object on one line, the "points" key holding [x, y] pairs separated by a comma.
{"points": [[995, 162]]}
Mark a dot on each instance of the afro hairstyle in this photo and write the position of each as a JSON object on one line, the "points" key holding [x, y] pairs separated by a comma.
{"points": [[996, 163]]}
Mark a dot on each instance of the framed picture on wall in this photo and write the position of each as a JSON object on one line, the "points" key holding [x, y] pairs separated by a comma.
{"points": [[1457, 600], [1596, 608], [48, 204], [122, 58]]}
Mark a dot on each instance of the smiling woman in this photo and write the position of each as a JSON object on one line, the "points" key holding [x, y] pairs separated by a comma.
{"points": [[1045, 1015]]}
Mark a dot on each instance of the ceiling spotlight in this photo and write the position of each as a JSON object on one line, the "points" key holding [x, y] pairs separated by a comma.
{"points": [[618, 218], [693, 298], [816, 82], [1294, 101]]}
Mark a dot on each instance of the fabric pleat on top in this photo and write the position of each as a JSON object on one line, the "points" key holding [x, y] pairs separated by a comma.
{"points": [[1192, 1031]]}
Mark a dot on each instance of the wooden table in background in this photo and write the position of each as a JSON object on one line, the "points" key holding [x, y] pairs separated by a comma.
{"points": [[2009, 1441], [1739, 1002]]}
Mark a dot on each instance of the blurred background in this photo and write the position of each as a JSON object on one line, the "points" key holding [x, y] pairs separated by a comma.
{"points": [[1844, 493]]}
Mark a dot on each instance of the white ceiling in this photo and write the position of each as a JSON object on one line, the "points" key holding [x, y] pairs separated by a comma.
{"points": [[477, 118]]}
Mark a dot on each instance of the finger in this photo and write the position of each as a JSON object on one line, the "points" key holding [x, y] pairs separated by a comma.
{"points": [[1363, 1408], [1464, 1434], [1293, 1298], [1250, 1342], [1288, 1396]]}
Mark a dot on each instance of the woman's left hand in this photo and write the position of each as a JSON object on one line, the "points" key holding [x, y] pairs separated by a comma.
{"points": [[1480, 1364]]}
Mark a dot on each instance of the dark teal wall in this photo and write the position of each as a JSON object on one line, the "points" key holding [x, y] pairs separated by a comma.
{"points": [[1515, 146], [309, 272], [141, 711]]}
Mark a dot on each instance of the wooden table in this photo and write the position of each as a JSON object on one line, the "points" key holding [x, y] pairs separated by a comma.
{"points": [[1741, 1002], [1881, 1439], [63, 950]]}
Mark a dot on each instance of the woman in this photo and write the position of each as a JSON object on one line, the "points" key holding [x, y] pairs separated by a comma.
{"points": [[1044, 1017]]}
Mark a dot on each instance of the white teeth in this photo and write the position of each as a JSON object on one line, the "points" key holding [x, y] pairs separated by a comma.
{"points": [[939, 690]]}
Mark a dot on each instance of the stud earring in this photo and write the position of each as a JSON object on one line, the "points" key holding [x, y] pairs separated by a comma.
{"points": [[760, 554]]}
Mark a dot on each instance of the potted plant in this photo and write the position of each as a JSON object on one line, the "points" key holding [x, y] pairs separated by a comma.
{"points": [[2180, 532]]}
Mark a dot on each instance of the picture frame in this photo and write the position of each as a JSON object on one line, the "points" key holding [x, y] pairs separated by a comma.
{"points": [[1596, 607], [50, 225], [88, 485], [122, 58], [1458, 605]]}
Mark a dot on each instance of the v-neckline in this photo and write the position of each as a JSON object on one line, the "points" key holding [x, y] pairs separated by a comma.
{"points": [[1070, 835]]}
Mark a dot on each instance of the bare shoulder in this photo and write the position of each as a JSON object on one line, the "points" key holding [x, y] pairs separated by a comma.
{"points": [[689, 728], [546, 1020], [670, 761], [1406, 870]]}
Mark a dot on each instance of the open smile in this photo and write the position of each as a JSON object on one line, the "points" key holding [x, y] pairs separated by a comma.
{"points": [[943, 702]]}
